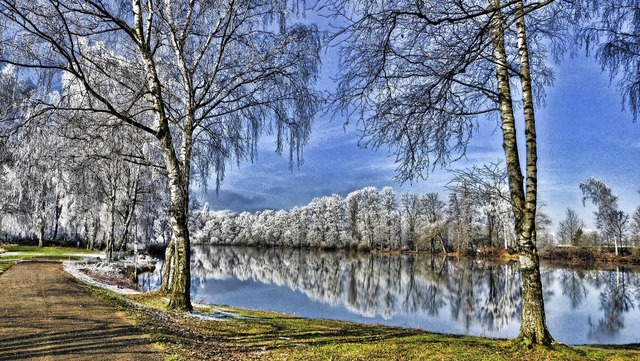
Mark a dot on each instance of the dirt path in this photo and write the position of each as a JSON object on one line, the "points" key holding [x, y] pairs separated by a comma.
{"points": [[46, 315]]}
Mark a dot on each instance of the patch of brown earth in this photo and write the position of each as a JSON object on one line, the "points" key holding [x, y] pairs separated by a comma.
{"points": [[119, 280], [45, 314]]}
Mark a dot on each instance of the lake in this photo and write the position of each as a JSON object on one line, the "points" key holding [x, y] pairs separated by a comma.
{"points": [[426, 292]]}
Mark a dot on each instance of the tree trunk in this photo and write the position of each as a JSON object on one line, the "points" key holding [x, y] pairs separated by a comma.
{"points": [[178, 176], [167, 273], [42, 221], [112, 225], [41, 235], [56, 217], [533, 329], [129, 214], [125, 226], [181, 284], [94, 233], [178, 170]]}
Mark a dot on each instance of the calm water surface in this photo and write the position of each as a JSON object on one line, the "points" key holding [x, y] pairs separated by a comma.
{"points": [[450, 296]]}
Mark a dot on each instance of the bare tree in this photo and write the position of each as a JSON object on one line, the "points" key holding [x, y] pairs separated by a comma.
{"points": [[611, 29], [418, 75], [200, 80], [570, 230]]}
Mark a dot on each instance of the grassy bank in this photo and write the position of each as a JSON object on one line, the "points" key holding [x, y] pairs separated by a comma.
{"points": [[257, 335], [10, 254], [47, 251]]}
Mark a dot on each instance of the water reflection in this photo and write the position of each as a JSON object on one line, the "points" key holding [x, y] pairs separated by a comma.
{"points": [[616, 299], [452, 296]]}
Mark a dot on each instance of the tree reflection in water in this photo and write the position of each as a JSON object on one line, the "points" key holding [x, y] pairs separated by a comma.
{"points": [[376, 284], [615, 300], [437, 294]]}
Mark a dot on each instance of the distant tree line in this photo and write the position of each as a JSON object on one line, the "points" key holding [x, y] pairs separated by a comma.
{"points": [[475, 216]]}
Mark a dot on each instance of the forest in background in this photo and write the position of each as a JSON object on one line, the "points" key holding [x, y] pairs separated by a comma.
{"points": [[475, 217]]}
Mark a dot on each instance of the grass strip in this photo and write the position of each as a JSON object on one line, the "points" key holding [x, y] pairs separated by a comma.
{"points": [[258, 335], [47, 250]]}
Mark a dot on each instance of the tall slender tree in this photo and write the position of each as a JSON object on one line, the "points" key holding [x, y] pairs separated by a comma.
{"points": [[418, 75], [611, 221]]}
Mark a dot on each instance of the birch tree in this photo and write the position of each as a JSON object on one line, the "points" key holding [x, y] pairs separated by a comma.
{"points": [[611, 221], [417, 76], [200, 80]]}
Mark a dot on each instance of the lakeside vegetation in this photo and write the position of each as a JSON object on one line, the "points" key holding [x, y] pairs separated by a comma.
{"points": [[590, 256], [221, 332], [253, 335]]}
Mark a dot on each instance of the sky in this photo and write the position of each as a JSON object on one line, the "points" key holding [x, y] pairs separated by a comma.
{"points": [[582, 132]]}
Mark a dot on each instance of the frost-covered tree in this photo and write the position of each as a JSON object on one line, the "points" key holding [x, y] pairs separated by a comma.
{"points": [[37, 185], [410, 208], [296, 234], [14, 98], [199, 80], [389, 226], [370, 217], [316, 230], [611, 221], [245, 225], [488, 188], [354, 210], [105, 171], [432, 223], [463, 219], [335, 218]]}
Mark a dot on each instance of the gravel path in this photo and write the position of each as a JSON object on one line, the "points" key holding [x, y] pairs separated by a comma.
{"points": [[46, 315]]}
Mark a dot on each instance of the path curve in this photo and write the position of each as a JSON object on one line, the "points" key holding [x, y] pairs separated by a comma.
{"points": [[45, 314]]}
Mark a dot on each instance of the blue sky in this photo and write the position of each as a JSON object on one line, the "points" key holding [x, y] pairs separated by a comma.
{"points": [[582, 132]]}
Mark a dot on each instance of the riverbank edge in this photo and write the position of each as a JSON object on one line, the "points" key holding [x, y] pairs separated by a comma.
{"points": [[228, 333], [588, 258]]}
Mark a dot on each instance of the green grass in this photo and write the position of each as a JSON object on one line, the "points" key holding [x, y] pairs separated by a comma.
{"points": [[47, 250], [270, 336], [6, 264], [30, 253]]}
